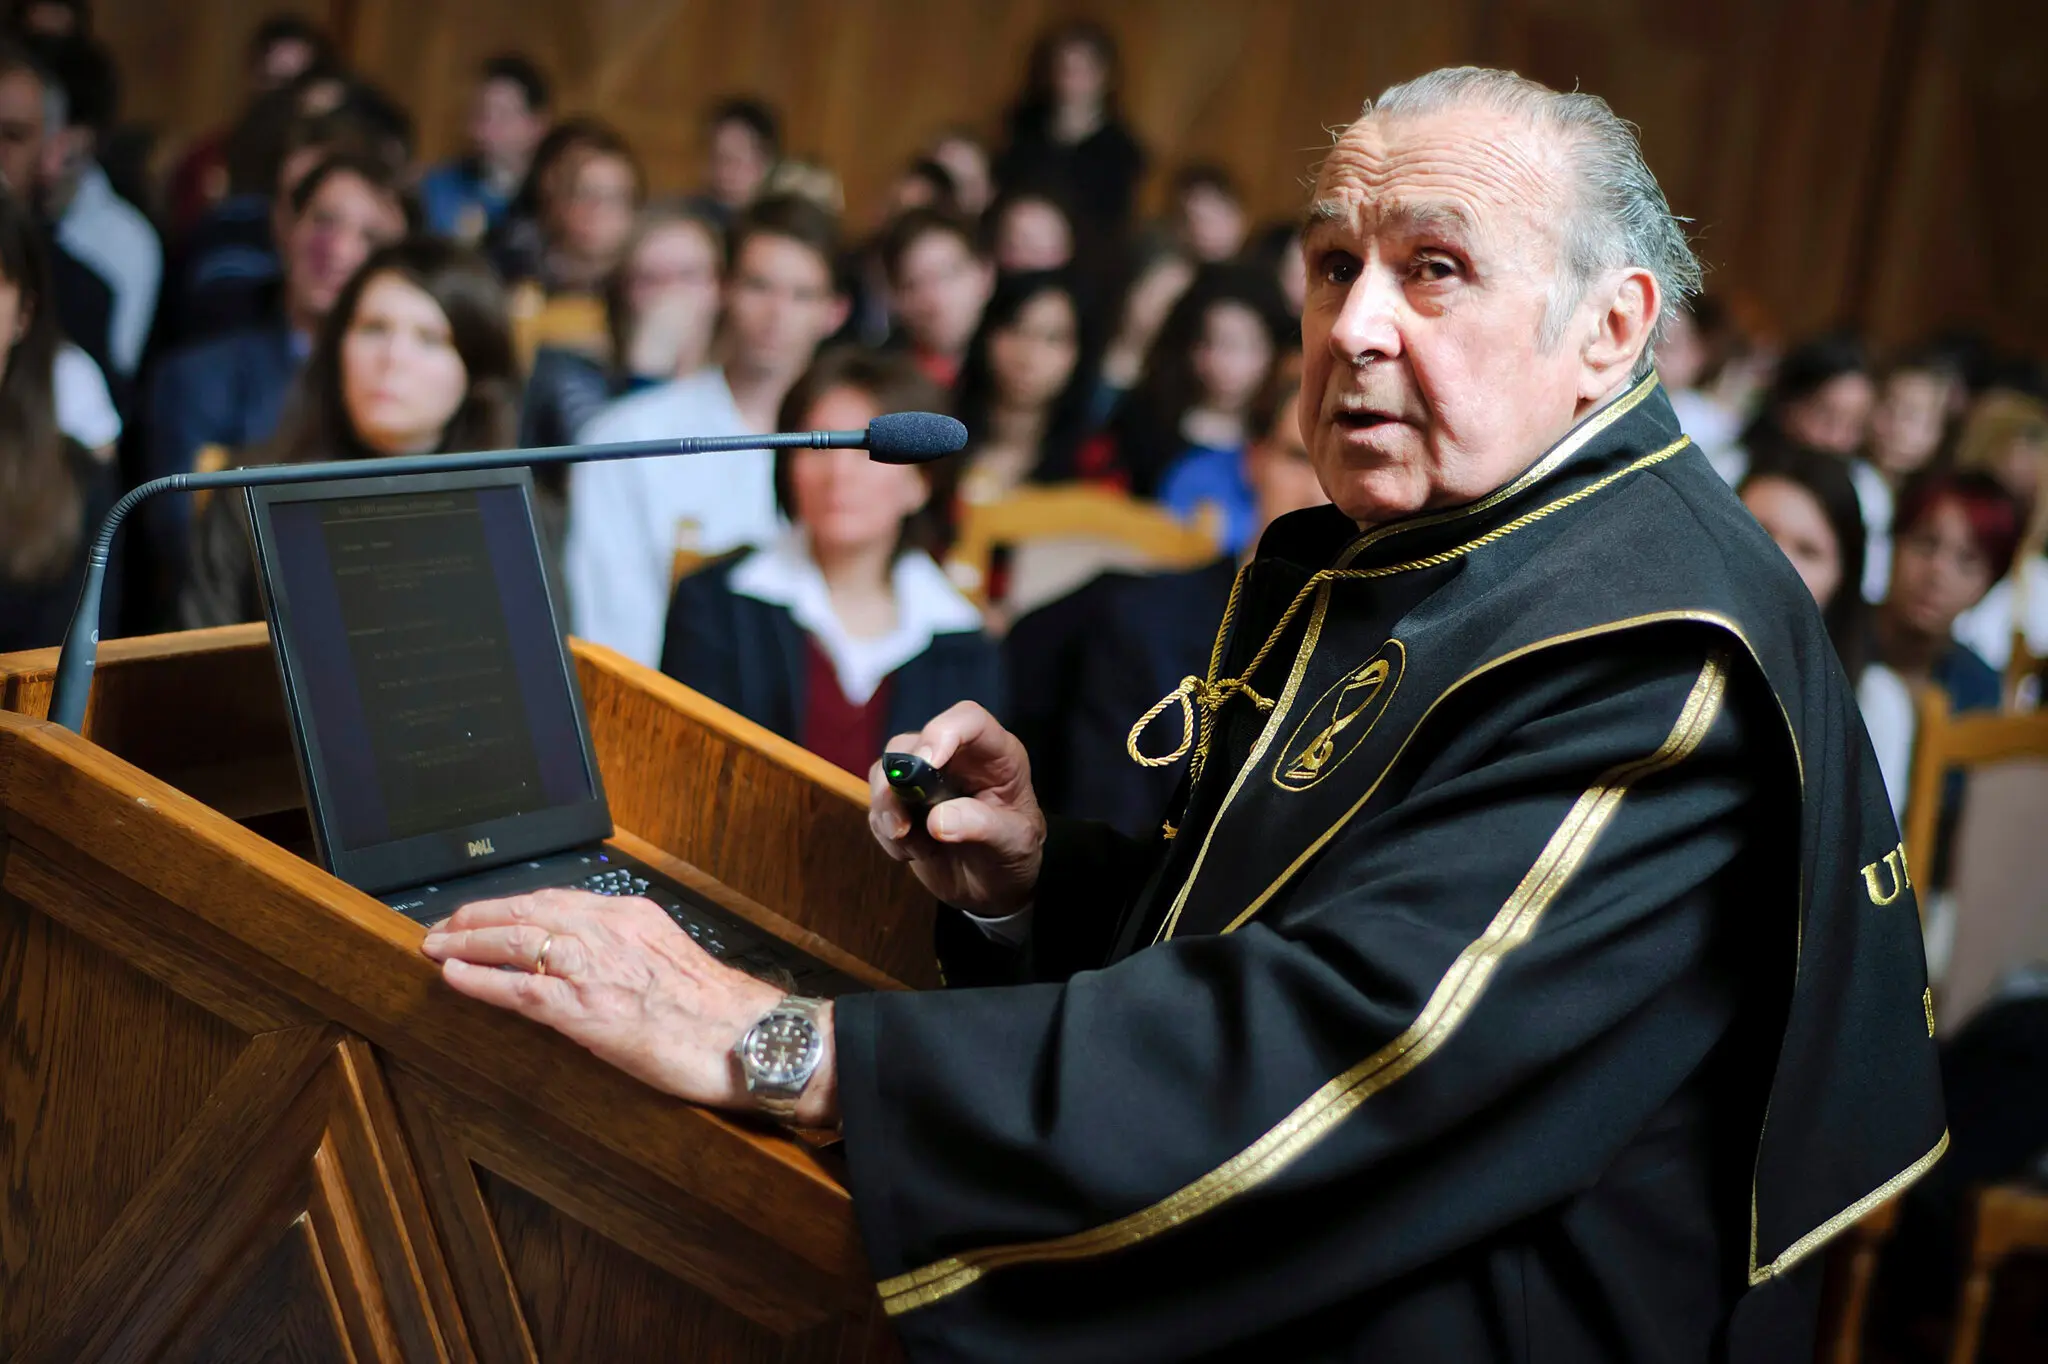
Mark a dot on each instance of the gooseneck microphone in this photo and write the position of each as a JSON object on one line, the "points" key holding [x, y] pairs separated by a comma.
{"points": [[894, 438]]}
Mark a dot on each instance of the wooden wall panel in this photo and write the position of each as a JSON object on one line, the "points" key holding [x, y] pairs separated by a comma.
{"points": [[102, 1067], [1865, 159]]}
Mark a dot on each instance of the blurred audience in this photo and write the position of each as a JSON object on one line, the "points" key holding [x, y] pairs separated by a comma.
{"points": [[414, 357], [1805, 502], [966, 160], [1180, 433], [508, 116], [1157, 286], [53, 489], [1023, 389], [1210, 222], [1954, 537], [843, 629], [661, 306], [95, 226], [2006, 438], [742, 144], [1031, 229], [280, 50], [939, 282], [1067, 130], [629, 518], [1690, 357], [229, 390]]}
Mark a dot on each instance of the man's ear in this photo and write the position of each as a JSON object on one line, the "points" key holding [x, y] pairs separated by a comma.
{"points": [[1621, 330]]}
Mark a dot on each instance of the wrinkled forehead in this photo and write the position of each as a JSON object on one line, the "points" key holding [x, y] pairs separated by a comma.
{"points": [[1486, 177]]}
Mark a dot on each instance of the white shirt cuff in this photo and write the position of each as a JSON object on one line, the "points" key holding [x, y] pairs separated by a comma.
{"points": [[1010, 930]]}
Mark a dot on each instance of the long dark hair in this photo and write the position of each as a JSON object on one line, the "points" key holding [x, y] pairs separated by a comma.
{"points": [[1804, 371], [974, 392], [1825, 478], [40, 500], [469, 295], [1147, 423], [896, 385]]}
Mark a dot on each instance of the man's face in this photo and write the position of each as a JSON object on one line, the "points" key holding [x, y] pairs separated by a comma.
{"points": [[346, 219], [21, 131], [779, 305], [502, 128], [1431, 255], [941, 288]]}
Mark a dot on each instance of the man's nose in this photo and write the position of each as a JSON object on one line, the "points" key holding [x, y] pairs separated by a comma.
{"points": [[1368, 326]]}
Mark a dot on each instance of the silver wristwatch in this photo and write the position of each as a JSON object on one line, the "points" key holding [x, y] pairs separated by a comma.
{"points": [[780, 1053]]}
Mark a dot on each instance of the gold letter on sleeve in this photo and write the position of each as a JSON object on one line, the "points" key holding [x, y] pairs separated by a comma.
{"points": [[1893, 862]]}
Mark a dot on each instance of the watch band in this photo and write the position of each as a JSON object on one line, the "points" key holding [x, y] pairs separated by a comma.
{"points": [[779, 1098]]}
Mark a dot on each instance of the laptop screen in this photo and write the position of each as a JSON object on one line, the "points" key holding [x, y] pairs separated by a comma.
{"points": [[435, 708]]}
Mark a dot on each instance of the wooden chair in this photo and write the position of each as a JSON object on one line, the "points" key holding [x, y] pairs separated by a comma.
{"points": [[209, 459], [572, 321], [1943, 742], [1145, 534], [2026, 676], [2009, 1220], [1851, 1270]]}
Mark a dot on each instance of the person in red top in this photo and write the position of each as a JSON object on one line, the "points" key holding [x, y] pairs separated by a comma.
{"points": [[940, 279], [845, 625]]}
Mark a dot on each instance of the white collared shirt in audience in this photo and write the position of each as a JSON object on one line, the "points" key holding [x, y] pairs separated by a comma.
{"points": [[1874, 498], [783, 574], [111, 237], [1713, 428], [85, 407], [1988, 626], [627, 518]]}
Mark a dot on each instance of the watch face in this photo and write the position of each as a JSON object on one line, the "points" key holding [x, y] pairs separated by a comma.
{"points": [[783, 1049]]}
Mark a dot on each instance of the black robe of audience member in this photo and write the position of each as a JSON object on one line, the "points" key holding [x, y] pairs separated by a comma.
{"points": [[1154, 630], [33, 615], [1100, 173], [750, 655]]}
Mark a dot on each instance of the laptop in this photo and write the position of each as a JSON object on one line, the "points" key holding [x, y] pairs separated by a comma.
{"points": [[439, 730]]}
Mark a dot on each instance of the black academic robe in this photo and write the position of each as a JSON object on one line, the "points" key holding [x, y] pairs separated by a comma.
{"points": [[1532, 971]]}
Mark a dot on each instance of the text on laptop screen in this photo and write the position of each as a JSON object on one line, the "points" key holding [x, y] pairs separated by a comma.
{"points": [[430, 671]]}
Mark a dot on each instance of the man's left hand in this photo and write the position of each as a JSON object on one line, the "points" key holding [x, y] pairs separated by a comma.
{"points": [[616, 975]]}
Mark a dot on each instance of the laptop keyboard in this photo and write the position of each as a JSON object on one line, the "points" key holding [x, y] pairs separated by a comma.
{"points": [[607, 872], [621, 881]]}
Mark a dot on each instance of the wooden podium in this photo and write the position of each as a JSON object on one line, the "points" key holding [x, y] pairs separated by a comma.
{"points": [[242, 1119]]}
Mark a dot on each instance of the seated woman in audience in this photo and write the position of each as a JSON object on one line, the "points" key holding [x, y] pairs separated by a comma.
{"points": [[661, 305], [53, 491], [1804, 501], [1180, 434], [1157, 285], [2006, 437], [415, 357], [1024, 387], [845, 630], [1954, 537], [1821, 397]]}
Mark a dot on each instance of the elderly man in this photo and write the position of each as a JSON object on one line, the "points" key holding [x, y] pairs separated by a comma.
{"points": [[1532, 854]]}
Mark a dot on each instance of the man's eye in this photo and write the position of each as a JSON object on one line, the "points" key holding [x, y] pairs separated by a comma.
{"points": [[1432, 269], [1340, 268]]}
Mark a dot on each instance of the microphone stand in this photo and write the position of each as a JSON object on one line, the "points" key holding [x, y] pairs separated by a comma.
{"points": [[80, 651]]}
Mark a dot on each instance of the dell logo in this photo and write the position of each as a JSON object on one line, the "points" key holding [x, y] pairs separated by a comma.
{"points": [[479, 846]]}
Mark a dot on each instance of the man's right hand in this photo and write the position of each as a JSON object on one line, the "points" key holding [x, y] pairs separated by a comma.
{"points": [[982, 852]]}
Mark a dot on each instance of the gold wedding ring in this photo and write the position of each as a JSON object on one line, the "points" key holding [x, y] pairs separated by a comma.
{"points": [[540, 958]]}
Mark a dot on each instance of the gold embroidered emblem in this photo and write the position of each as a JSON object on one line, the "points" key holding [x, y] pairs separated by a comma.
{"points": [[1927, 1003], [1332, 729], [1893, 864]]}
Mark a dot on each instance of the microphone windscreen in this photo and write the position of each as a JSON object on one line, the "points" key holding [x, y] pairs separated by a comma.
{"points": [[914, 437]]}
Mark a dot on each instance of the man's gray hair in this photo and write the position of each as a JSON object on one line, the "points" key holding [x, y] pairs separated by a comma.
{"points": [[1620, 218]]}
